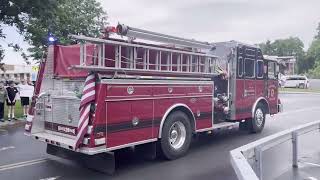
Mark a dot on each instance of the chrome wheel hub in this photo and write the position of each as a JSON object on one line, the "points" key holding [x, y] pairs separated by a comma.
{"points": [[259, 117], [177, 135]]}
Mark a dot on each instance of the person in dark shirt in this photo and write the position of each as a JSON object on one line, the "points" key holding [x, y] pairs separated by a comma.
{"points": [[3, 97], [11, 100]]}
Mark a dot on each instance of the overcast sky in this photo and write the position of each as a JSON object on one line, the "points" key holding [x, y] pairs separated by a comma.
{"points": [[249, 21]]}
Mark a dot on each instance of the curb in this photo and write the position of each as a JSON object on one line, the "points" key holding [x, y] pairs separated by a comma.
{"points": [[289, 92], [15, 123]]}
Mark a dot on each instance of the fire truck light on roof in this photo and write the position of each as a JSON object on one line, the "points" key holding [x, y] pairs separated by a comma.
{"points": [[51, 38]]}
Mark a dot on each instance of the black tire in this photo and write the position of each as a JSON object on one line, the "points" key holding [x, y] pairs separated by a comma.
{"points": [[169, 150], [302, 86], [256, 124]]}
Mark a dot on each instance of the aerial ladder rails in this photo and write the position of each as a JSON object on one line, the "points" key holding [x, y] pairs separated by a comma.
{"points": [[169, 58]]}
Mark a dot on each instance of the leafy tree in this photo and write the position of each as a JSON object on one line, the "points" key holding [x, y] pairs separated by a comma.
{"points": [[266, 48], [17, 12], [291, 46], [36, 18], [84, 17], [1, 53], [314, 54], [318, 32], [283, 47], [314, 50]]}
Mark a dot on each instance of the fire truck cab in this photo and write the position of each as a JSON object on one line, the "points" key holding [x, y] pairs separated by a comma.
{"points": [[134, 93], [252, 85]]}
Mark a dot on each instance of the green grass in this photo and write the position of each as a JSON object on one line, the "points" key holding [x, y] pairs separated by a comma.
{"points": [[18, 113], [299, 90]]}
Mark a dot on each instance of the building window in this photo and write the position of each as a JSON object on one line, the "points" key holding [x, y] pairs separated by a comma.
{"points": [[249, 68], [21, 76]]}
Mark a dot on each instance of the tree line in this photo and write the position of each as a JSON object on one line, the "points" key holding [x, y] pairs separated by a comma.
{"points": [[308, 62]]}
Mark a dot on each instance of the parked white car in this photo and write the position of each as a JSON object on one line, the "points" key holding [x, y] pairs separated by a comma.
{"points": [[296, 81]]}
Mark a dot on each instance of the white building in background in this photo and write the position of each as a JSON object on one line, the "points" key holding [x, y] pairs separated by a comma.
{"points": [[18, 72]]}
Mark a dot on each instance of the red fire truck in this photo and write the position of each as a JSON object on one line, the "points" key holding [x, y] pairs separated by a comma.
{"points": [[150, 91]]}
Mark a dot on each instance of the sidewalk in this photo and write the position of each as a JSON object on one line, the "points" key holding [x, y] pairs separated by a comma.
{"points": [[292, 92], [12, 123], [299, 91]]}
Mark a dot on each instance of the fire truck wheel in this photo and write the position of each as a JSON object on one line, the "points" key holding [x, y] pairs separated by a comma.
{"points": [[176, 135], [258, 121]]}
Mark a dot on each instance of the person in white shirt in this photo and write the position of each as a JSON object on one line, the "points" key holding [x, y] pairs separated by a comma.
{"points": [[26, 91]]}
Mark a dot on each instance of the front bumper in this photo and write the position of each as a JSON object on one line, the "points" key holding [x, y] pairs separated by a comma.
{"points": [[66, 143]]}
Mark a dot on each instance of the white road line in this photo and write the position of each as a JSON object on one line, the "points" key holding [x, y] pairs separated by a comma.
{"points": [[299, 110], [6, 148], [51, 178], [311, 178], [3, 132], [22, 164]]}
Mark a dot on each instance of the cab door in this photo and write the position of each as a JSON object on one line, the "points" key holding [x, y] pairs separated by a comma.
{"points": [[261, 75], [246, 82], [249, 93], [272, 87]]}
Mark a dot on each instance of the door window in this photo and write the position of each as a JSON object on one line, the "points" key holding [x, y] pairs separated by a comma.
{"points": [[272, 70], [249, 68], [259, 68], [240, 67]]}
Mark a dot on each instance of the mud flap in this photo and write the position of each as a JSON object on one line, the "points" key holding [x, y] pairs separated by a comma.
{"points": [[147, 151], [104, 162]]}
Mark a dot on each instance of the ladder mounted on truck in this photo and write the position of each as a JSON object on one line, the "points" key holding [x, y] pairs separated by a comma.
{"points": [[138, 58]]}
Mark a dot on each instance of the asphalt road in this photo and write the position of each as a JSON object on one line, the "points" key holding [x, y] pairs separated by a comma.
{"points": [[208, 158]]}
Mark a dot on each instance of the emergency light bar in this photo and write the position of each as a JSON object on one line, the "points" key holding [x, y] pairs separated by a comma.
{"points": [[128, 31]]}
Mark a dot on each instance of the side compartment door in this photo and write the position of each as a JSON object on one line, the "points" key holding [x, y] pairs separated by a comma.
{"points": [[129, 114]]}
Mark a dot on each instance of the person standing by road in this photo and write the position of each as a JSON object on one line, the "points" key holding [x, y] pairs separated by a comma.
{"points": [[3, 97], [26, 92], [11, 100]]}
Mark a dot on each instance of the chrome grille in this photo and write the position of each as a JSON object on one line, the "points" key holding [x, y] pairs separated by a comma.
{"points": [[62, 87], [39, 109], [65, 110], [61, 101], [61, 110]]}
